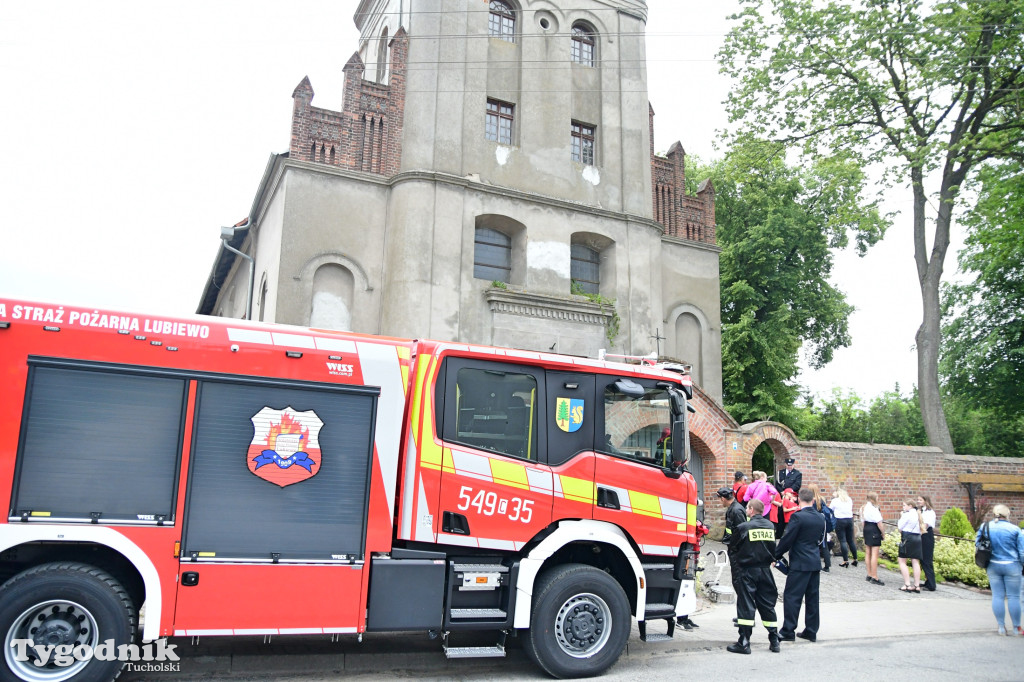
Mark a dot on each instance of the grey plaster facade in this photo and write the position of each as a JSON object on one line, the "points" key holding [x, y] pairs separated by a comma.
{"points": [[340, 242]]}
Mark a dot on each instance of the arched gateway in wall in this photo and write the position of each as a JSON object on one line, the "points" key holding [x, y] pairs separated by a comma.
{"points": [[720, 446]]}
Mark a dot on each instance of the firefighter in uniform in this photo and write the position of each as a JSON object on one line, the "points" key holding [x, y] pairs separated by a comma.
{"points": [[753, 551], [734, 516]]}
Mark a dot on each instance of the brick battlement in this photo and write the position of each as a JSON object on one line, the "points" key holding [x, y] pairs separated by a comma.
{"points": [[366, 135], [682, 215]]}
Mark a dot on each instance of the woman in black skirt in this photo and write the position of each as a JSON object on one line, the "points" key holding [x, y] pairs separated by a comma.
{"points": [[910, 524], [927, 541], [872, 518]]}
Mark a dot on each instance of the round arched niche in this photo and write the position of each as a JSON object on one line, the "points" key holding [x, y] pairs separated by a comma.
{"points": [[688, 327], [331, 302]]}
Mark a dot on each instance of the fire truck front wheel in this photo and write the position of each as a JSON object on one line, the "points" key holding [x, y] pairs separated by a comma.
{"points": [[580, 621], [54, 617]]}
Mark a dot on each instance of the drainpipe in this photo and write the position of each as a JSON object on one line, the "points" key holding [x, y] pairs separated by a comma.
{"points": [[226, 234]]}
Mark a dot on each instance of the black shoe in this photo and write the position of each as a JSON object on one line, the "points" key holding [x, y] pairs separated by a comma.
{"points": [[686, 623], [854, 563], [808, 636], [786, 638], [741, 646], [844, 564], [773, 641]]}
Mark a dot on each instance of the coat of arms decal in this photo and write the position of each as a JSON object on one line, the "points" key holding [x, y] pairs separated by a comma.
{"points": [[285, 448]]}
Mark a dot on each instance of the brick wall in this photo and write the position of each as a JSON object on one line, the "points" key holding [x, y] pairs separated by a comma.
{"points": [[895, 472], [682, 215], [366, 135]]}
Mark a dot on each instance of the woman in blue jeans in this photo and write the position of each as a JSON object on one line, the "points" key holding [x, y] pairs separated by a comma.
{"points": [[1004, 569]]}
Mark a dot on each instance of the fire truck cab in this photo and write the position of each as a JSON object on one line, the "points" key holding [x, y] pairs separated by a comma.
{"points": [[239, 478]]}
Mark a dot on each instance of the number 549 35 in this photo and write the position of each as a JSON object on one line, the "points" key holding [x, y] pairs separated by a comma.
{"points": [[489, 504]]}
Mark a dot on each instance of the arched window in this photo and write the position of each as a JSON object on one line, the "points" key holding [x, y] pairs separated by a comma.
{"points": [[585, 269], [492, 255], [502, 21], [583, 44], [382, 56]]}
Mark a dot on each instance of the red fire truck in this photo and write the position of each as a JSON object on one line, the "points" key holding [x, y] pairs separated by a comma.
{"points": [[240, 478]]}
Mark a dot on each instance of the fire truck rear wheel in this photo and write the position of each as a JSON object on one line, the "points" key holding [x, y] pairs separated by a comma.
{"points": [[63, 603], [580, 621]]}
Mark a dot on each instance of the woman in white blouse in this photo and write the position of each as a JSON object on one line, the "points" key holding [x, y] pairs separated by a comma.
{"points": [[910, 524], [873, 534], [924, 503], [842, 507]]}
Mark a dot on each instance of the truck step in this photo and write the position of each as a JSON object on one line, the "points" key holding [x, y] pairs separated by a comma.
{"points": [[653, 637], [474, 651], [476, 614], [655, 610], [479, 568]]}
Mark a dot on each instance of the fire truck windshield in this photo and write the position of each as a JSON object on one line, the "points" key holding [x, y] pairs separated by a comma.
{"points": [[638, 427]]}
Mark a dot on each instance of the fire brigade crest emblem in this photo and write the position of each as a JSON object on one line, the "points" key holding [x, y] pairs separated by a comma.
{"points": [[285, 448], [568, 414]]}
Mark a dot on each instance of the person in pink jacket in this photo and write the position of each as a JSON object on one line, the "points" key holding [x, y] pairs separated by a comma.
{"points": [[760, 490]]}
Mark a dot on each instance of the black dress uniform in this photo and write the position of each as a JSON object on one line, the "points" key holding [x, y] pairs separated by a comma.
{"points": [[804, 533], [754, 543], [735, 516]]}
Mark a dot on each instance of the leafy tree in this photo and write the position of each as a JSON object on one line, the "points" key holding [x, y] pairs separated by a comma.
{"points": [[930, 91], [777, 225], [896, 419], [889, 418], [983, 431], [983, 350]]}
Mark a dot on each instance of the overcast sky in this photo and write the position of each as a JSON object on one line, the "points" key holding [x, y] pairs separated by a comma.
{"points": [[131, 131]]}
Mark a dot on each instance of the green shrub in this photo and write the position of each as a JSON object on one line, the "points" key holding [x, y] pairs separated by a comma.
{"points": [[955, 524], [891, 545], [954, 560]]}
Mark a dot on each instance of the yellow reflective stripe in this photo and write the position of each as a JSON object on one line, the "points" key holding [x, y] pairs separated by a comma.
{"points": [[681, 527], [430, 452], [769, 623], [691, 515], [403, 354], [744, 621], [578, 489], [447, 465], [642, 503], [509, 473]]}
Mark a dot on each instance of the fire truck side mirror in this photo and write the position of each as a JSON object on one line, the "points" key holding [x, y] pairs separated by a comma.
{"points": [[680, 449]]}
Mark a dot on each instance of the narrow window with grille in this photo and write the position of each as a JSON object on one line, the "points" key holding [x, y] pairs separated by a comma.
{"points": [[498, 126], [583, 143]]}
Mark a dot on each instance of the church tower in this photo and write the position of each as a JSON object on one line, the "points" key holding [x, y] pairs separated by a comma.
{"points": [[490, 178]]}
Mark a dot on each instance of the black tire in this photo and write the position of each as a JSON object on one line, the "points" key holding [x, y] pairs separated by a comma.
{"points": [[573, 606], [73, 603]]}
